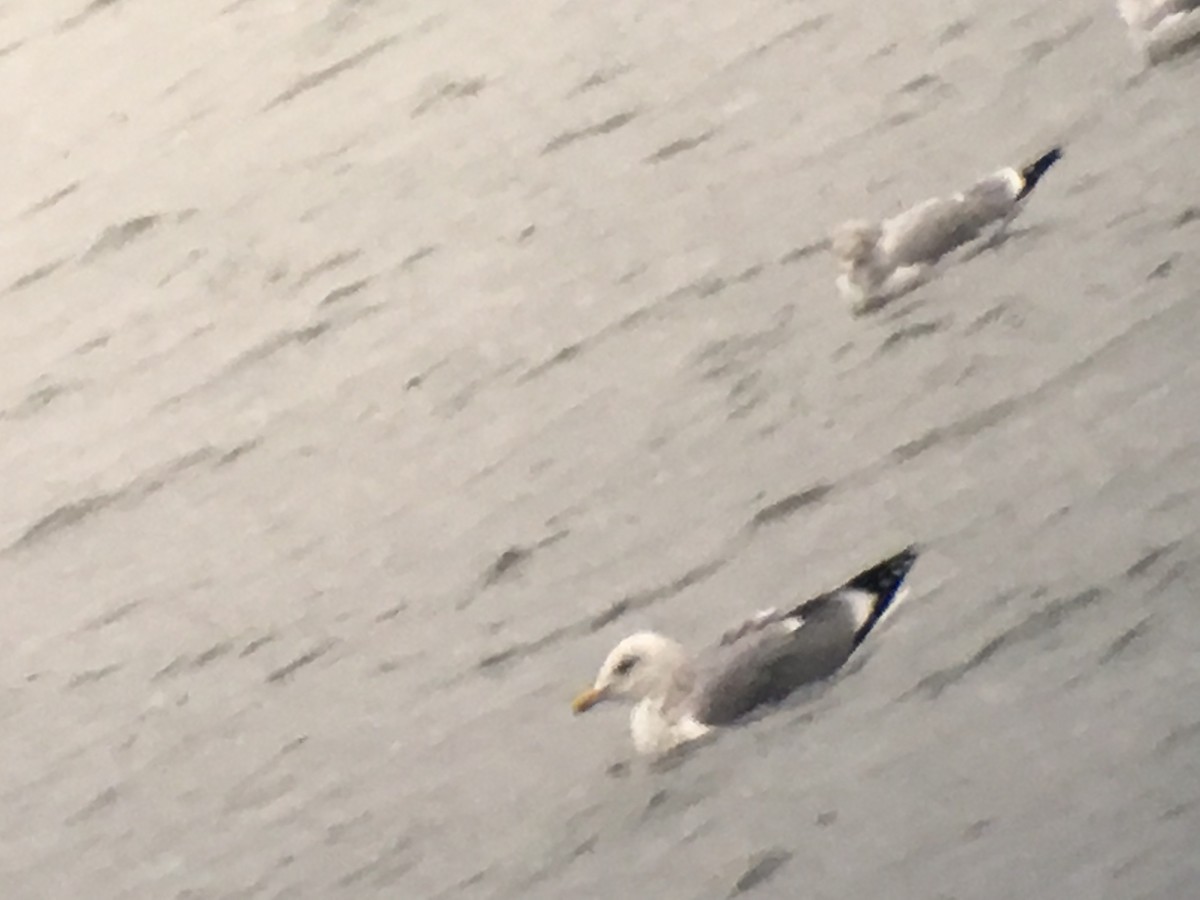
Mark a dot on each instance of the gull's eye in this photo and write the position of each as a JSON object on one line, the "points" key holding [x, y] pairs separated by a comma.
{"points": [[625, 665]]}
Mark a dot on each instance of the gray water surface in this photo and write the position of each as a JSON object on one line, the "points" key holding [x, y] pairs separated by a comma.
{"points": [[371, 368]]}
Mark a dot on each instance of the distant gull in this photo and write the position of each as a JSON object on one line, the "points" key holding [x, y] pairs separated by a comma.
{"points": [[1160, 29], [879, 260], [762, 661]]}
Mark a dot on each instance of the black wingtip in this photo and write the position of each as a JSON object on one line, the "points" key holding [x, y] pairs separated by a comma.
{"points": [[1032, 173], [884, 580]]}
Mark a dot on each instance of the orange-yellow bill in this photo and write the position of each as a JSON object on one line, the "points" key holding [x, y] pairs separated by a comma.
{"points": [[586, 700]]}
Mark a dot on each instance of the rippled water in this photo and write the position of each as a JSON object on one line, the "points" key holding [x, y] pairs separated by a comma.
{"points": [[372, 367]]}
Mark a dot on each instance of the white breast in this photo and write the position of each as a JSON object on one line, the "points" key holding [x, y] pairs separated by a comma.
{"points": [[653, 732]]}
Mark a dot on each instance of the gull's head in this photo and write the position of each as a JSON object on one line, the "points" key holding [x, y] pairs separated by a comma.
{"points": [[855, 242], [643, 665]]}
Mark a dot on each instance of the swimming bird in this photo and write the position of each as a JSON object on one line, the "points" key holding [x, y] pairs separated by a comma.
{"points": [[677, 699], [1160, 29], [880, 260]]}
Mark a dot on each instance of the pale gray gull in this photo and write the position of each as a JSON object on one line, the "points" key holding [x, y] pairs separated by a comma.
{"points": [[1161, 29], [677, 699], [880, 260]]}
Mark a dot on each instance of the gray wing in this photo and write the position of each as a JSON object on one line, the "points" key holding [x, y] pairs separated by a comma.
{"points": [[769, 657], [927, 232], [940, 226], [930, 230]]}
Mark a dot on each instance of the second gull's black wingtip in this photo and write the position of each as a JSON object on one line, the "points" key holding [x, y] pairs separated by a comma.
{"points": [[1032, 173]]}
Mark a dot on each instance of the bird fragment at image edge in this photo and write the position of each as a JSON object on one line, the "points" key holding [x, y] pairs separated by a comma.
{"points": [[1161, 29]]}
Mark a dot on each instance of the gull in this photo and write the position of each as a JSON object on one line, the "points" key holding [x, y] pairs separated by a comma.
{"points": [[677, 699], [880, 260]]}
